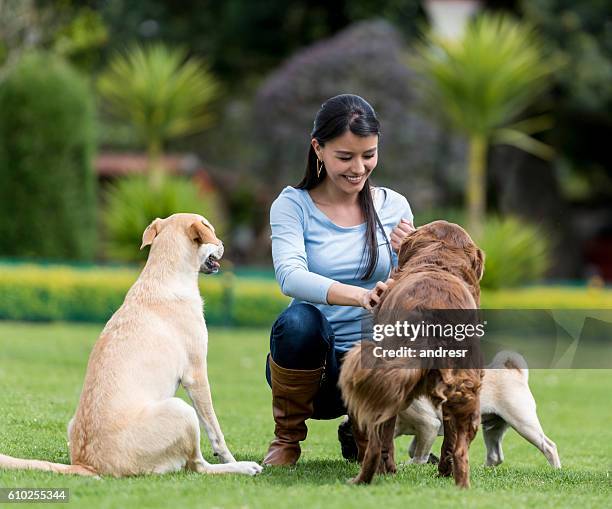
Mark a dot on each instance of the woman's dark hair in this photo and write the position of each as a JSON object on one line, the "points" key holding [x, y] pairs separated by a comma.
{"points": [[342, 113]]}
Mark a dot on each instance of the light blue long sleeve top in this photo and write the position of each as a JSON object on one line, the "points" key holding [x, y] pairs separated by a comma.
{"points": [[311, 252]]}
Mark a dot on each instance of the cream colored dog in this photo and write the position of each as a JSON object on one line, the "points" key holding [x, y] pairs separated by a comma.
{"points": [[505, 400], [128, 421]]}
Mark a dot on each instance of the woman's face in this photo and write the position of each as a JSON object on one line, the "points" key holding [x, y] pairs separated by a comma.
{"points": [[349, 159]]}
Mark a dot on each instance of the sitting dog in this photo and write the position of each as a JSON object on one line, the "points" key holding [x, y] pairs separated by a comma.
{"points": [[128, 421], [439, 268], [505, 400]]}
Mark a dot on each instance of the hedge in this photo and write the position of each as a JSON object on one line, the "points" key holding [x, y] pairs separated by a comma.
{"points": [[49, 293], [548, 297], [47, 137], [38, 293]]}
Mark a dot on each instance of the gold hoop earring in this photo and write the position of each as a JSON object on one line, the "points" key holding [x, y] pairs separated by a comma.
{"points": [[319, 168]]}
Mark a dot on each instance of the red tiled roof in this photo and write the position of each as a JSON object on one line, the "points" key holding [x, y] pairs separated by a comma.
{"points": [[110, 164], [118, 164]]}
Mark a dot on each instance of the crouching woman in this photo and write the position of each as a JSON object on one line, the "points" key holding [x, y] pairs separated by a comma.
{"points": [[334, 243]]}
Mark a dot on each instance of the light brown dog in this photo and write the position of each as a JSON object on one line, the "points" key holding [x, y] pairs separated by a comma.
{"points": [[128, 421], [505, 401], [439, 268]]}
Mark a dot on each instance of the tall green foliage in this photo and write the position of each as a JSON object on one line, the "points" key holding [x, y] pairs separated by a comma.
{"points": [[47, 183], [516, 253], [481, 83], [161, 94], [131, 205]]}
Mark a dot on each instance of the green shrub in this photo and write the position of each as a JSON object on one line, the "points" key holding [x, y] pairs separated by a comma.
{"points": [[47, 195], [515, 253], [132, 203], [162, 93]]}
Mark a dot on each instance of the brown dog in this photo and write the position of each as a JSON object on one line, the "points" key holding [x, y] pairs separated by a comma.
{"points": [[439, 268]]}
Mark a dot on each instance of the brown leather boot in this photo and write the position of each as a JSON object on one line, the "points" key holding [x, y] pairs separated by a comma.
{"points": [[293, 392]]}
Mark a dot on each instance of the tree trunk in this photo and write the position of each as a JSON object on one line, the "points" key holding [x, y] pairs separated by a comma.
{"points": [[155, 169], [476, 185]]}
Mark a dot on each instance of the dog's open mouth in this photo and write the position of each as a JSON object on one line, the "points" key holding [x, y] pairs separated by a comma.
{"points": [[211, 265]]}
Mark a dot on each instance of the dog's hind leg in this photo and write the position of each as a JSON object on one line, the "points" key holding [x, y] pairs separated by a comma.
{"points": [[372, 457], [165, 437], [387, 460], [461, 464], [421, 420], [493, 430], [445, 467], [424, 438], [412, 447], [520, 413], [529, 427]]}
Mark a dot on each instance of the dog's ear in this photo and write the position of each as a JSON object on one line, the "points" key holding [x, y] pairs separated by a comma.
{"points": [[200, 232], [150, 233], [478, 263], [406, 249]]}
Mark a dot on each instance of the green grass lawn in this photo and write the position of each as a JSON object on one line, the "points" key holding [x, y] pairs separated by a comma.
{"points": [[41, 371]]}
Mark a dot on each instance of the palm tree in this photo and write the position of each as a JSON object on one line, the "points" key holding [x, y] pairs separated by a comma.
{"points": [[481, 83], [162, 94]]}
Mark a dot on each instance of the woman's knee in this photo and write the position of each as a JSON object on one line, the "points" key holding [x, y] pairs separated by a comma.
{"points": [[300, 320], [300, 338]]}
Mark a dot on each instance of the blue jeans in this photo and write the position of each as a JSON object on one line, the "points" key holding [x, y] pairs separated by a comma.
{"points": [[302, 338]]}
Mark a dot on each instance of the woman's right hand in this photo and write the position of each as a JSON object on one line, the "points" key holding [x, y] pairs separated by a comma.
{"points": [[371, 298]]}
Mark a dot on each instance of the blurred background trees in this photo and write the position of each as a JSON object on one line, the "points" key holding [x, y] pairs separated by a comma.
{"points": [[132, 203], [161, 95], [47, 139], [273, 63], [480, 83], [414, 149]]}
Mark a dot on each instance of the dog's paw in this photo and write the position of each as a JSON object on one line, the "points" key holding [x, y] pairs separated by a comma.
{"points": [[248, 467], [445, 472], [357, 480], [445, 467], [391, 469], [386, 467], [432, 459]]}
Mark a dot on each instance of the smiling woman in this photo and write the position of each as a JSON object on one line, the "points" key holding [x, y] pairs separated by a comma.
{"points": [[334, 243], [357, 153]]}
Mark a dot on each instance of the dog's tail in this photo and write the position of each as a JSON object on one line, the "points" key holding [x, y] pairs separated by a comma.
{"points": [[8, 462], [373, 395], [510, 360]]}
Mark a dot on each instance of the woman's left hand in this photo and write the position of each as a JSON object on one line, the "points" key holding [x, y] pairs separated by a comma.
{"points": [[371, 298], [400, 232]]}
